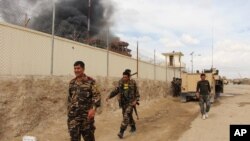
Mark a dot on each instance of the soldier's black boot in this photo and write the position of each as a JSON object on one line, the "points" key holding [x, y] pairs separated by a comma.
{"points": [[133, 128], [120, 134]]}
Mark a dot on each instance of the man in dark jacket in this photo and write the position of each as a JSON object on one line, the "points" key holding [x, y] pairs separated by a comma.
{"points": [[203, 93]]}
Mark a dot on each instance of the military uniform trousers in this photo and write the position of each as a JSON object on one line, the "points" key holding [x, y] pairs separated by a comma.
{"points": [[128, 119], [84, 128]]}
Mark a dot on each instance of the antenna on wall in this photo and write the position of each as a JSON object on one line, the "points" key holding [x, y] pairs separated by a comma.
{"points": [[26, 20]]}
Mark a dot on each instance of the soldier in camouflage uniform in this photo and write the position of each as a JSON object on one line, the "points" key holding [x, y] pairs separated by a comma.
{"points": [[129, 96], [83, 99], [203, 93], [176, 86], [173, 86], [120, 82]]}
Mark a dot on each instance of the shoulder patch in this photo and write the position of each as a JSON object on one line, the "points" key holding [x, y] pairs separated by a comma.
{"points": [[72, 80], [90, 80], [120, 82], [132, 80]]}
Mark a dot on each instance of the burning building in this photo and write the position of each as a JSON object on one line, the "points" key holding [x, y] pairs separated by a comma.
{"points": [[116, 45], [78, 20]]}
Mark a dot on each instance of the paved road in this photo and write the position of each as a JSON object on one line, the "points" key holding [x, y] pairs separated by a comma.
{"points": [[233, 108]]}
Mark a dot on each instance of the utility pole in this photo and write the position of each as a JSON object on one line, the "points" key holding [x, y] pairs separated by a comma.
{"points": [[154, 66], [107, 51], [89, 10], [137, 59], [167, 89], [180, 64], [192, 61], [167, 70], [174, 65], [53, 34]]}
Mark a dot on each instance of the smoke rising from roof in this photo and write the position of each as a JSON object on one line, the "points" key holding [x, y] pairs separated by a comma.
{"points": [[70, 19]]}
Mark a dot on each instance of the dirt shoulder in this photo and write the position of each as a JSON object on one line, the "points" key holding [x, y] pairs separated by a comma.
{"points": [[36, 106], [160, 120]]}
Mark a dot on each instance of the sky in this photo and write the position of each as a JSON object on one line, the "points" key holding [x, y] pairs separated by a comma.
{"points": [[217, 31]]}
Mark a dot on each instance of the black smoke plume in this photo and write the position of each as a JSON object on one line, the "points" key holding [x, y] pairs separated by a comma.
{"points": [[71, 16]]}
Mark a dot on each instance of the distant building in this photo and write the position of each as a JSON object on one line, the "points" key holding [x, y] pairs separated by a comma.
{"points": [[174, 59], [120, 47], [174, 62], [116, 45]]}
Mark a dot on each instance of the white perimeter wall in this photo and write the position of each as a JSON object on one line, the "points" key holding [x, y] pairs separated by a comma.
{"points": [[28, 52]]}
